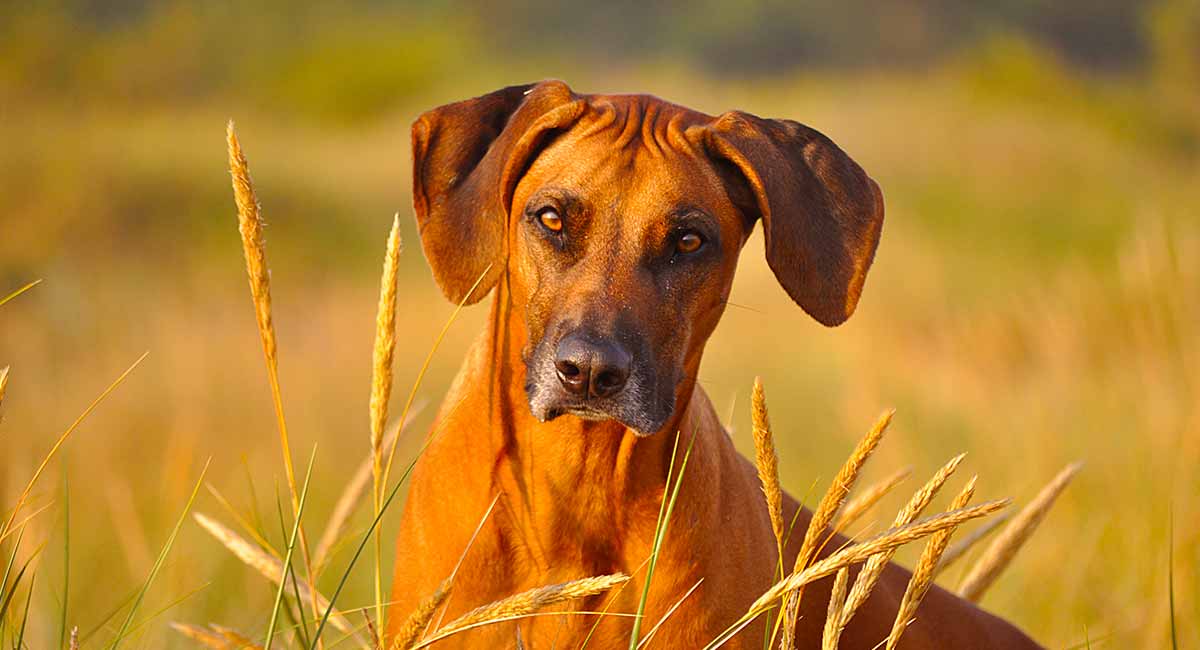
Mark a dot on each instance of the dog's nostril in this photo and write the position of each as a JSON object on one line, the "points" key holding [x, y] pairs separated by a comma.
{"points": [[607, 379], [572, 376]]}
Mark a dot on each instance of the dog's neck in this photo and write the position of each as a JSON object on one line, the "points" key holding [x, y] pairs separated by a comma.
{"points": [[596, 477]]}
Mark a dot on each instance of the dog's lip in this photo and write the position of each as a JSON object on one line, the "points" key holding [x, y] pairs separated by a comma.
{"points": [[587, 412]]}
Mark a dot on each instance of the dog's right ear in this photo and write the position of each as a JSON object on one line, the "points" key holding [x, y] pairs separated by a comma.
{"points": [[467, 159]]}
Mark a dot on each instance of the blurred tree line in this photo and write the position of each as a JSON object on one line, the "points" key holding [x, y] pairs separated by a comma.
{"points": [[358, 58]]}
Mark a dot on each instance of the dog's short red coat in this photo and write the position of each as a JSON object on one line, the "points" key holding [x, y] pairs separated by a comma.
{"points": [[581, 497]]}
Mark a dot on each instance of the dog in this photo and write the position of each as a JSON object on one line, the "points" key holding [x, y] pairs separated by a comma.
{"points": [[607, 229]]}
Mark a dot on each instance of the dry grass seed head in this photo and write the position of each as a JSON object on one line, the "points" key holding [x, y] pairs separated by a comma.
{"points": [[858, 506], [968, 541], [834, 497], [767, 462], [531, 601], [414, 626], [833, 617], [923, 574], [385, 341], [1002, 549], [869, 576], [201, 635], [269, 567], [884, 541]]}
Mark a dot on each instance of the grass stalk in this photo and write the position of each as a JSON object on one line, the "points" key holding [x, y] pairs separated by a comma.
{"points": [[162, 557], [63, 438], [250, 226], [1006, 544], [381, 391], [666, 508], [291, 547]]}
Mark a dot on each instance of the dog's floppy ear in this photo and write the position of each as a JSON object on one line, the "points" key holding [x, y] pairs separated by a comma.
{"points": [[467, 158], [821, 213]]}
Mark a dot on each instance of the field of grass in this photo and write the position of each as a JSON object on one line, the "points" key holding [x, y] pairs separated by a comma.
{"points": [[1035, 301]]}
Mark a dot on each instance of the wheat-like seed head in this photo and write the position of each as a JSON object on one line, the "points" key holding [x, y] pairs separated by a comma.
{"points": [[3, 382], [416, 622], [923, 574], [767, 462], [73, 644], [385, 342], [234, 638], [250, 225], [834, 497], [833, 617], [269, 567], [858, 552], [869, 576], [968, 541], [1002, 549], [858, 506], [531, 601], [201, 635]]}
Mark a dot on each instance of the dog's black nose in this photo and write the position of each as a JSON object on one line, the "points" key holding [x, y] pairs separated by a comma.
{"points": [[590, 369]]}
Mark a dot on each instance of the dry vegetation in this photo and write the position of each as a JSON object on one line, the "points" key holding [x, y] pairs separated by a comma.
{"points": [[1035, 301]]}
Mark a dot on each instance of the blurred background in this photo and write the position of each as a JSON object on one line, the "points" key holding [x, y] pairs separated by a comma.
{"points": [[1035, 299]]}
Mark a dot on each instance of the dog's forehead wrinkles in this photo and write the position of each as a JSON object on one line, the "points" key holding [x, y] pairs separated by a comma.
{"points": [[641, 121]]}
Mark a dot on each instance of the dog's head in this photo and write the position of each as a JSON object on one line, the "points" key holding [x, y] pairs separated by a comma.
{"points": [[618, 221]]}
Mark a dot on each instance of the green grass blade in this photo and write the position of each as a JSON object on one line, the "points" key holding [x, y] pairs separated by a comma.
{"points": [[20, 291], [287, 571], [291, 547], [25, 616], [83, 639], [167, 607], [662, 509], [363, 544], [12, 558], [62, 619], [659, 535], [13, 590], [162, 557], [1171, 575]]}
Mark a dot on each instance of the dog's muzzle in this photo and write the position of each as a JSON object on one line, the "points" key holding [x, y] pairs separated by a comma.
{"points": [[595, 378]]}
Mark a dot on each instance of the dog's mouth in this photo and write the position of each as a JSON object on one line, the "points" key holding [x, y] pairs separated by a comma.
{"points": [[644, 412]]}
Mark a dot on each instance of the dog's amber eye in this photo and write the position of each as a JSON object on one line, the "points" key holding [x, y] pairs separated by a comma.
{"points": [[550, 220], [690, 242]]}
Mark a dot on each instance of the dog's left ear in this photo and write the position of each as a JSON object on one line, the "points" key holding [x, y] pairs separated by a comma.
{"points": [[821, 213], [467, 158]]}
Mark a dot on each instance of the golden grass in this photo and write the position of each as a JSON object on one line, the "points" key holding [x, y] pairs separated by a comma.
{"points": [[968, 541], [833, 616], [416, 623], [885, 541], [201, 635], [254, 247], [823, 516], [3, 382], [4, 530], [767, 462], [853, 554], [348, 503], [381, 391], [870, 574], [858, 506], [526, 603], [1005, 546], [923, 574], [270, 567]]}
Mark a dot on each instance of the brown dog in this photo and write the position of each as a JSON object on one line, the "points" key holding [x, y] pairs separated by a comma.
{"points": [[608, 229]]}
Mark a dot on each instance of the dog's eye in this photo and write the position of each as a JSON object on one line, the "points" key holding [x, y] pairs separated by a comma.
{"points": [[689, 242], [550, 220]]}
